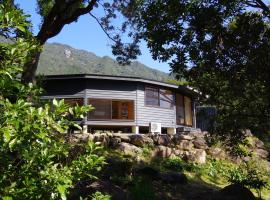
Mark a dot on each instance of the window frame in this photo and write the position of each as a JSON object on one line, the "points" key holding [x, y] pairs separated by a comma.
{"points": [[111, 114], [158, 90]]}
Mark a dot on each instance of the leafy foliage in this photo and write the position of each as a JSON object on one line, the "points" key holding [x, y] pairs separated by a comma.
{"points": [[35, 157], [100, 196], [220, 47]]}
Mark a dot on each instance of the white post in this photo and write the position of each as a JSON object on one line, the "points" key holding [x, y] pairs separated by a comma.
{"points": [[135, 129], [84, 129], [171, 131]]}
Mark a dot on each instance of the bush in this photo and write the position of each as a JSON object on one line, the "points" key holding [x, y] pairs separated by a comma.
{"points": [[249, 174], [35, 158], [177, 164], [100, 196]]}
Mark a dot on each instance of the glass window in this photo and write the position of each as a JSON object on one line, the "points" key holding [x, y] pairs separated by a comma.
{"points": [[122, 110], [108, 109], [188, 111], [166, 98], [102, 109], [180, 112], [151, 96]]}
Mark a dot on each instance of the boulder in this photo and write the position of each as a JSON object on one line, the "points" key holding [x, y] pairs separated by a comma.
{"points": [[178, 152], [185, 145], [173, 178], [114, 142], [128, 148], [261, 153], [234, 192], [140, 140], [162, 151], [81, 137], [217, 153], [199, 156], [102, 139], [186, 137], [195, 156], [123, 137], [164, 140], [200, 143], [259, 144], [178, 138]]}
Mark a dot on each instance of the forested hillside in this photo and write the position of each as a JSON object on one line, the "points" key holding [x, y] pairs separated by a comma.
{"points": [[63, 59]]}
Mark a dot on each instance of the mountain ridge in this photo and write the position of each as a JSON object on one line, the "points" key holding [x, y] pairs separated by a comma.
{"points": [[57, 58]]}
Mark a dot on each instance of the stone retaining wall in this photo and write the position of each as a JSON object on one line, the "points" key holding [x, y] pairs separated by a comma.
{"points": [[191, 147]]}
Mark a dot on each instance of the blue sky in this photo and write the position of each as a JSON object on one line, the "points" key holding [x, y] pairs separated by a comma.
{"points": [[86, 34]]}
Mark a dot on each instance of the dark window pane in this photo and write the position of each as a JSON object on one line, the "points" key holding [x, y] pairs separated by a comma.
{"points": [[102, 109], [180, 112], [122, 110], [166, 98], [151, 96]]}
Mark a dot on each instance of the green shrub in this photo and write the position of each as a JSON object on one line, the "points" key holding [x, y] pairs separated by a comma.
{"points": [[35, 157], [100, 196], [249, 174], [177, 164]]}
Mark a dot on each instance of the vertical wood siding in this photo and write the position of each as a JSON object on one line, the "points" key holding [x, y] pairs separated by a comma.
{"points": [[147, 114]]}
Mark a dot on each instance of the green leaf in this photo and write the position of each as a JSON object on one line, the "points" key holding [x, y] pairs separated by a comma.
{"points": [[6, 198], [55, 102], [21, 28], [7, 135], [62, 190]]}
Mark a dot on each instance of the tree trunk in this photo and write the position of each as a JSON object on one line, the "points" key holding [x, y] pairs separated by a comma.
{"points": [[30, 68], [52, 24]]}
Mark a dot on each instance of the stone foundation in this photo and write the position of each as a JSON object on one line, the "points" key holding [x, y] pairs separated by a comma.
{"points": [[191, 147]]}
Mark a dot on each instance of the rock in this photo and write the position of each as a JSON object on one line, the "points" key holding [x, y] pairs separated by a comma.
{"points": [[102, 139], [185, 145], [200, 143], [140, 140], [127, 148], [114, 142], [259, 144], [173, 178], [176, 139], [234, 192], [164, 140], [186, 137], [247, 133], [217, 153], [196, 156], [178, 152], [199, 156], [162, 151], [261, 153], [123, 137]]}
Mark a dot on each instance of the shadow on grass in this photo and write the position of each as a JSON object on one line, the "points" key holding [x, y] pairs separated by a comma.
{"points": [[120, 179]]}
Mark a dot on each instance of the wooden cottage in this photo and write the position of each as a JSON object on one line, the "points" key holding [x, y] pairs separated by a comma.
{"points": [[121, 101]]}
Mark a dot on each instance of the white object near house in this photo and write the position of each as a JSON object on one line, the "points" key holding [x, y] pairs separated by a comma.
{"points": [[155, 128]]}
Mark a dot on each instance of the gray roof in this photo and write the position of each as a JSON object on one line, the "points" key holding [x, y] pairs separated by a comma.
{"points": [[183, 88]]}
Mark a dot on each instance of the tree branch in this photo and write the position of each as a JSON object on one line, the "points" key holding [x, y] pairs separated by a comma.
{"points": [[108, 35], [58, 18]]}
